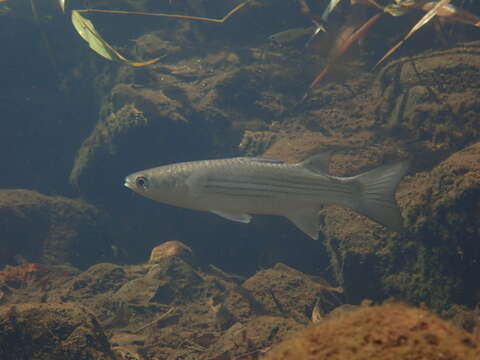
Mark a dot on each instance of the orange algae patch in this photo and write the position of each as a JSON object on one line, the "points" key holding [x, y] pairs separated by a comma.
{"points": [[22, 274], [387, 332]]}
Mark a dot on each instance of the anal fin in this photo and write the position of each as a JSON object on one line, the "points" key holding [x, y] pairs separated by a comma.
{"points": [[307, 221], [243, 218]]}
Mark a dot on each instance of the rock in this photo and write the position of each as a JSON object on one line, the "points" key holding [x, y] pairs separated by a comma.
{"points": [[285, 291], [169, 281], [432, 98], [171, 249], [434, 259], [256, 142], [22, 275], [390, 331], [138, 118], [464, 318], [50, 229], [125, 345], [223, 318], [99, 279], [33, 282], [253, 337], [51, 331]]}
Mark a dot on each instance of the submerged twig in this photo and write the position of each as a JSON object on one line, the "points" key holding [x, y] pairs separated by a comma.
{"points": [[173, 16], [161, 317]]}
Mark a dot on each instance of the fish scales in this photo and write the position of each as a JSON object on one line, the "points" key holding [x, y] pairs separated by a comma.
{"points": [[285, 185]]}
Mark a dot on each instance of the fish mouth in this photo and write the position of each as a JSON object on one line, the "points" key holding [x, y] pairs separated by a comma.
{"points": [[128, 183]]}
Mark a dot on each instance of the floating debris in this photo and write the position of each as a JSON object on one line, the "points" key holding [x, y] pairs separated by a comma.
{"points": [[316, 313]]}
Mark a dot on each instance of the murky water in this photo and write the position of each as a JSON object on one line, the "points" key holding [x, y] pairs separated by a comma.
{"points": [[271, 80]]}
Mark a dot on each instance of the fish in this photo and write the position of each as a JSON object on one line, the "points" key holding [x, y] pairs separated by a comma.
{"points": [[235, 188], [291, 35]]}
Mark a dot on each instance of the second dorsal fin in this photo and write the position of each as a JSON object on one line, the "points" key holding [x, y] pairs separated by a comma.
{"points": [[318, 162]]}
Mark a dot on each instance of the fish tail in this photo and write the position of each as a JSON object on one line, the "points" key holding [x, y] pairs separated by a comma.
{"points": [[377, 194]]}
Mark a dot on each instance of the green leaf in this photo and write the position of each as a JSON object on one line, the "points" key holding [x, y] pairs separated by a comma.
{"points": [[88, 32]]}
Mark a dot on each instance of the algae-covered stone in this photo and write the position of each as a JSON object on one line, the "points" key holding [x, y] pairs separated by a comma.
{"points": [[256, 142], [432, 98], [169, 281], [387, 332], [51, 331], [50, 229], [100, 278], [253, 337], [171, 249], [285, 291], [436, 256]]}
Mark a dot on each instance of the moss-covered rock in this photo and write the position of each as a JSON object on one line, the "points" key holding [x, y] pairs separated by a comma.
{"points": [[387, 332], [285, 291], [51, 331], [436, 256], [431, 100], [50, 229]]}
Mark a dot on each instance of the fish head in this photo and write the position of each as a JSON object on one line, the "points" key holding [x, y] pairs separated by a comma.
{"points": [[157, 184]]}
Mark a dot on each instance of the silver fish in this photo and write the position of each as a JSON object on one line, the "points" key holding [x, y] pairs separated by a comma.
{"points": [[236, 187]]}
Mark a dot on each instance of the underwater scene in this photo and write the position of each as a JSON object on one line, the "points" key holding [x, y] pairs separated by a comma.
{"points": [[240, 180]]}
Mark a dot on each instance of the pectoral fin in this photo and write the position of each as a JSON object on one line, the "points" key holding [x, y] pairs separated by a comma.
{"points": [[244, 218], [307, 221]]}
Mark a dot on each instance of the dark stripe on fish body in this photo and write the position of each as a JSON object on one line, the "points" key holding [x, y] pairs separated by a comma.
{"points": [[284, 187], [219, 191], [294, 180], [262, 188], [259, 187], [254, 191]]}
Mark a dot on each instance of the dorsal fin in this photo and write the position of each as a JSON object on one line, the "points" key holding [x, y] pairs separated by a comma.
{"points": [[318, 162]]}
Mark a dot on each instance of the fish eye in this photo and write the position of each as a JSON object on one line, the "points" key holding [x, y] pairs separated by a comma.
{"points": [[141, 182]]}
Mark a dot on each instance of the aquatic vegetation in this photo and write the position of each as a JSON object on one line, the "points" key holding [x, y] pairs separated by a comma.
{"points": [[88, 32], [342, 47], [442, 9], [423, 21]]}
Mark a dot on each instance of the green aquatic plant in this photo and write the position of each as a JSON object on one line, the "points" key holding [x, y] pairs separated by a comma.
{"points": [[87, 31], [442, 9]]}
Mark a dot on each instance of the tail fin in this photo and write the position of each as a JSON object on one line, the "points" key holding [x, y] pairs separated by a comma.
{"points": [[377, 196]]}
